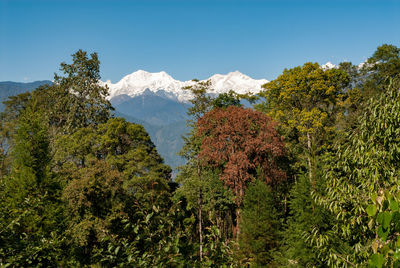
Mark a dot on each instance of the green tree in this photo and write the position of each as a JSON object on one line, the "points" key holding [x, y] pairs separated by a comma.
{"points": [[77, 98], [367, 82], [125, 146], [114, 179], [384, 63], [305, 101], [31, 215], [366, 166], [259, 225]]}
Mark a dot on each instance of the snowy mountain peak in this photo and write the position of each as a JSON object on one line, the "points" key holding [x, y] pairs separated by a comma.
{"points": [[138, 82], [328, 65], [236, 81]]}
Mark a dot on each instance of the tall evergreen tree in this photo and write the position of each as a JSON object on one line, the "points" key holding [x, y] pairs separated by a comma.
{"points": [[77, 98], [31, 217], [259, 225]]}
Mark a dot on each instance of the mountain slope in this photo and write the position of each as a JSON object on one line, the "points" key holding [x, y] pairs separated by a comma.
{"points": [[151, 108], [8, 89]]}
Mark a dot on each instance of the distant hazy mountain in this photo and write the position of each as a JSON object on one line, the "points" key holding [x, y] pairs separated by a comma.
{"points": [[163, 85], [8, 89], [163, 118], [151, 108]]}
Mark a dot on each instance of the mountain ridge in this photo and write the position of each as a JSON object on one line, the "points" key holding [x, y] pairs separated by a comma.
{"points": [[138, 82]]}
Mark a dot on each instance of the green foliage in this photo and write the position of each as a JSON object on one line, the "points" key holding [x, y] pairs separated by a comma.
{"points": [[385, 221], [218, 201], [114, 178], [77, 98], [305, 101], [367, 82], [259, 225], [365, 165], [226, 99], [78, 188], [384, 63], [125, 146], [306, 227], [218, 251], [31, 214]]}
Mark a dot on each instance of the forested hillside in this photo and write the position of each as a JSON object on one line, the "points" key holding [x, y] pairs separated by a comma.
{"points": [[306, 177]]}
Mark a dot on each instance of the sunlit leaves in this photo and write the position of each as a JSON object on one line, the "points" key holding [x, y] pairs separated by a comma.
{"points": [[366, 167]]}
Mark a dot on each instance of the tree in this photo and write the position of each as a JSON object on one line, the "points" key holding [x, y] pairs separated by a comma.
{"points": [[384, 63], [366, 82], [31, 216], [237, 142], [96, 204], [366, 166], [125, 146], [79, 99], [259, 225], [305, 101], [307, 222], [114, 179], [199, 182]]}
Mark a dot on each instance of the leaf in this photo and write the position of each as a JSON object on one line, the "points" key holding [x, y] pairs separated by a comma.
{"points": [[394, 205], [148, 217], [383, 233], [379, 218], [387, 217], [376, 260], [371, 210]]}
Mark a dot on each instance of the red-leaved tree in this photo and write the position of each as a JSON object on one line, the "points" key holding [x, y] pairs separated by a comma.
{"points": [[239, 142]]}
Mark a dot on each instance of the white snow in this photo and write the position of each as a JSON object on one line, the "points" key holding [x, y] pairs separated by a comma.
{"points": [[136, 83], [328, 65]]}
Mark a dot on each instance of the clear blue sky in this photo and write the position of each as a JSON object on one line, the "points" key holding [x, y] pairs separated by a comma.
{"points": [[190, 39]]}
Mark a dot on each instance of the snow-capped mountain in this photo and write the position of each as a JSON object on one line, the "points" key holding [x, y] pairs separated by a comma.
{"points": [[329, 65], [135, 84]]}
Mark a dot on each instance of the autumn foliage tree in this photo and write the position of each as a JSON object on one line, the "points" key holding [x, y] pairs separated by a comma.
{"points": [[238, 141]]}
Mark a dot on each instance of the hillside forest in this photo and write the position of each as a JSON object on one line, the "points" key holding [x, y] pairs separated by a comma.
{"points": [[306, 177]]}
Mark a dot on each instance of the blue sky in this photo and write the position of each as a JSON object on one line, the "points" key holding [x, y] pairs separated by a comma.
{"points": [[190, 39]]}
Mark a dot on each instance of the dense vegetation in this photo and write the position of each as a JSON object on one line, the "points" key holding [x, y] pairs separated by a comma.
{"points": [[306, 178]]}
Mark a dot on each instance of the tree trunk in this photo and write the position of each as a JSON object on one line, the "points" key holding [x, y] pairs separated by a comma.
{"points": [[238, 204], [309, 157], [237, 227], [310, 166], [200, 225], [200, 214]]}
